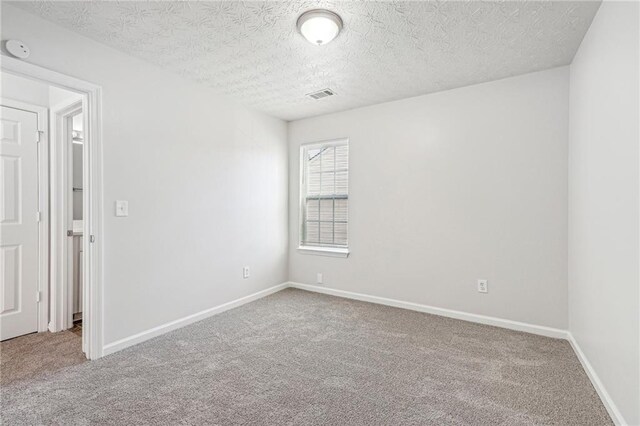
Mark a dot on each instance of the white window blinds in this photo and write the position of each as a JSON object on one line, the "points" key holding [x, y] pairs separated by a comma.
{"points": [[325, 194]]}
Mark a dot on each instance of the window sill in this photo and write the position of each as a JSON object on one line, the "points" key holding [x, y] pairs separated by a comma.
{"points": [[324, 251]]}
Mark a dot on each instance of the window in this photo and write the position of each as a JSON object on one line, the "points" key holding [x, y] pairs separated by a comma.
{"points": [[325, 197]]}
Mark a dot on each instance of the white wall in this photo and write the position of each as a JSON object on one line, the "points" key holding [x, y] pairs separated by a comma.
{"points": [[604, 299], [206, 182], [34, 92], [24, 90], [60, 97], [448, 188]]}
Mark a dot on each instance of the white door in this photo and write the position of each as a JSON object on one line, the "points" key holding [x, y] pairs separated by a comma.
{"points": [[18, 222]]}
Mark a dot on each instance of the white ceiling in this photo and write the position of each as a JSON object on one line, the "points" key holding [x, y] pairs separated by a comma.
{"points": [[387, 50]]}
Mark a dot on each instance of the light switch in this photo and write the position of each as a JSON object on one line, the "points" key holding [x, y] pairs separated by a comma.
{"points": [[122, 208]]}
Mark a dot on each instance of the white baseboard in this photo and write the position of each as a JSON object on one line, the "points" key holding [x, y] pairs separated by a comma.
{"points": [[465, 316], [118, 345], [611, 407], [613, 411], [179, 323]]}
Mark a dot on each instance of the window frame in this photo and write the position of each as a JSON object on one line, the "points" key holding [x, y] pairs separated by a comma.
{"points": [[322, 250]]}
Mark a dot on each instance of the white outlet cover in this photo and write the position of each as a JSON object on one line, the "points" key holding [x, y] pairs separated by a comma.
{"points": [[122, 208], [17, 49], [319, 278], [483, 286]]}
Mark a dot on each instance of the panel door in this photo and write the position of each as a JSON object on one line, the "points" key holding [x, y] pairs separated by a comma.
{"points": [[18, 222]]}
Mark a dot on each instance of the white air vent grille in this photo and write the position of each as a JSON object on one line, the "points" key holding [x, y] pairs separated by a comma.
{"points": [[321, 94]]}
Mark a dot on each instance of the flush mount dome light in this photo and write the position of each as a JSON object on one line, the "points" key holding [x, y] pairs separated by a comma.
{"points": [[319, 26]]}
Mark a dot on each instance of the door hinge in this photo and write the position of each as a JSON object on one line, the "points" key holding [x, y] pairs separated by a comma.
{"points": [[38, 135], [69, 233], [38, 216], [38, 296], [92, 238]]}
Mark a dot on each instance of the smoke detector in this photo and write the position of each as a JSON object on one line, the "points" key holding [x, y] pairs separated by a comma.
{"points": [[17, 49]]}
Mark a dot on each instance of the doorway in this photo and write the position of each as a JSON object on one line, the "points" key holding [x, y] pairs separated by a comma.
{"points": [[77, 201], [69, 270], [27, 295], [68, 202]]}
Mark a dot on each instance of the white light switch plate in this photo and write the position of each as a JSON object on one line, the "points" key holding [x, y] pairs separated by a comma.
{"points": [[122, 208]]}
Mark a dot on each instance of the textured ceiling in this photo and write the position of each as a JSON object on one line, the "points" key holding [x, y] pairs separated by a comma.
{"points": [[387, 50]]}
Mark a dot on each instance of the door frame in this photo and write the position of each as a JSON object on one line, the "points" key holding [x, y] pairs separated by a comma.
{"points": [[43, 205], [61, 262], [93, 241]]}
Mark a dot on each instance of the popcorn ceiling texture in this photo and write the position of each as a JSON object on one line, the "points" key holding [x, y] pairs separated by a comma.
{"points": [[388, 50], [304, 358]]}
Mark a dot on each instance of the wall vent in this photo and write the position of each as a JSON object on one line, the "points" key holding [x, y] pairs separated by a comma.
{"points": [[321, 94]]}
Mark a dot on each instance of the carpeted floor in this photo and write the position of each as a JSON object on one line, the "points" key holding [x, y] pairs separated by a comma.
{"points": [[303, 358], [38, 354]]}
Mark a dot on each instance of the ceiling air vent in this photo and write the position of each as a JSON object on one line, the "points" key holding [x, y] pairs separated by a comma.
{"points": [[324, 93]]}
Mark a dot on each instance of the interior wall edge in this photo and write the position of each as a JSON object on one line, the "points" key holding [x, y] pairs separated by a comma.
{"points": [[540, 330], [606, 399], [608, 402], [464, 316], [603, 196], [143, 336]]}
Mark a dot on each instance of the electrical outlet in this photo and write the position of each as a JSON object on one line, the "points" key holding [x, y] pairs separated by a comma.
{"points": [[122, 208], [246, 272], [319, 278], [483, 286]]}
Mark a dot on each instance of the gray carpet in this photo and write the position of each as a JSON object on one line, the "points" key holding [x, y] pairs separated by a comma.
{"points": [[38, 354], [302, 358]]}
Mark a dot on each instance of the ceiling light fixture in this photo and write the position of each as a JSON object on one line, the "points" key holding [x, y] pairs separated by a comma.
{"points": [[319, 26]]}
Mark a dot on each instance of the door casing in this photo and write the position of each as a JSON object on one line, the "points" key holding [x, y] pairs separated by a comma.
{"points": [[93, 276], [61, 216]]}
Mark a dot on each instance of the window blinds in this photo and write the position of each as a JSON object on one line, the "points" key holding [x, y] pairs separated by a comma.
{"points": [[325, 195]]}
